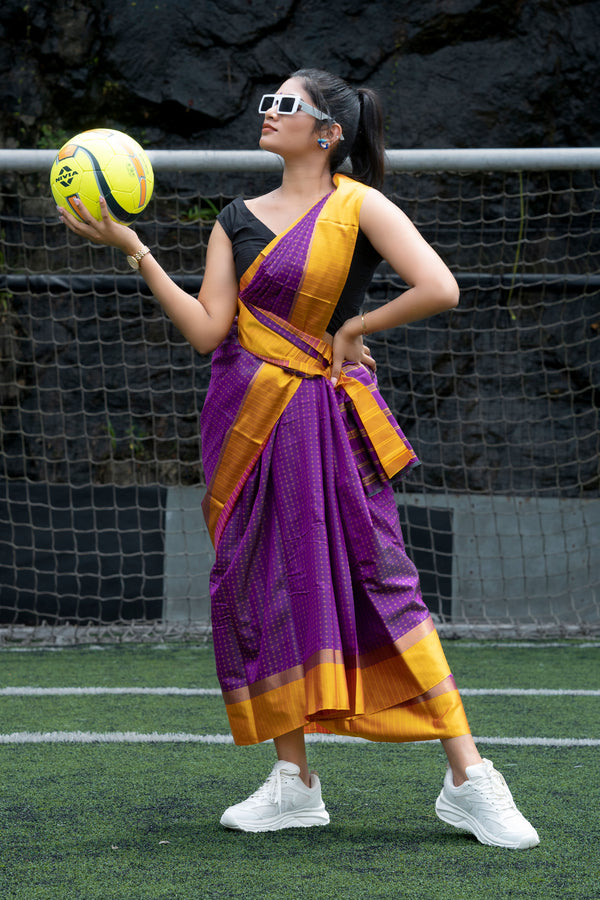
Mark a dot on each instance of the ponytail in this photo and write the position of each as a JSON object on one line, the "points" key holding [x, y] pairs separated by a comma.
{"points": [[366, 155], [359, 115]]}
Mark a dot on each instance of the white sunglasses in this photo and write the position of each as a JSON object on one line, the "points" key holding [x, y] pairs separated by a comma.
{"points": [[288, 104]]}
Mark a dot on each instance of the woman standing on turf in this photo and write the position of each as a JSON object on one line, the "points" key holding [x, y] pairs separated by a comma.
{"points": [[318, 619]]}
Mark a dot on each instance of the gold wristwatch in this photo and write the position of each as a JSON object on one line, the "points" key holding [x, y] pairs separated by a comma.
{"points": [[134, 261]]}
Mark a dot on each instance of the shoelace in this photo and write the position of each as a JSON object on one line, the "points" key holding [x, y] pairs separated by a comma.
{"points": [[495, 789], [270, 790]]}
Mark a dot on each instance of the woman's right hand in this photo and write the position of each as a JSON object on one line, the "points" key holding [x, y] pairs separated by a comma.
{"points": [[348, 346], [103, 231]]}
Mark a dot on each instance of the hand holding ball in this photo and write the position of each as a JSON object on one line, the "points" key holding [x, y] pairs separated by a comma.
{"points": [[103, 162]]}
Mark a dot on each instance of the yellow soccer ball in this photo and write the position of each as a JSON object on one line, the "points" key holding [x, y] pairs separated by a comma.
{"points": [[103, 162]]}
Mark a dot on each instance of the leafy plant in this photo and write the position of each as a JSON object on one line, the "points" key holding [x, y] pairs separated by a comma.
{"points": [[205, 212], [136, 437], [51, 138]]}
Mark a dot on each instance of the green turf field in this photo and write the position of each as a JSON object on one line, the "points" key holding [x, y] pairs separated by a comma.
{"points": [[92, 808]]}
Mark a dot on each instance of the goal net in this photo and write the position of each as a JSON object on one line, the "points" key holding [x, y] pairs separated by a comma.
{"points": [[101, 532]]}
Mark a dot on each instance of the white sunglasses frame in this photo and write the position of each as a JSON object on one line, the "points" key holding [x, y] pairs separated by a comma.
{"points": [[298, 104]]}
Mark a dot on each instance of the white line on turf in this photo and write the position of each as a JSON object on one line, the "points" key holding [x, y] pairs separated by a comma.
{"points": [[483, 644], [134, 737], [527, 692], [215, 692], [527, 645], [96, 691]]}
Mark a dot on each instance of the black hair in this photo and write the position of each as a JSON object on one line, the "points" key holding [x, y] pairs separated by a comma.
{"points": [[358, 112]]}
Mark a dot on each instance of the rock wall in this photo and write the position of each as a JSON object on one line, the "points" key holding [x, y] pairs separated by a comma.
{"points": [[451, 73]]}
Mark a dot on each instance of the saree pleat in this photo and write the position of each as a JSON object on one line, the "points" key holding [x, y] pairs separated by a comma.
{"points": [[318, 619]]}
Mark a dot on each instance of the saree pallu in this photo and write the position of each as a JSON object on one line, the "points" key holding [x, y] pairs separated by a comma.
{"points": [[317, 615]]}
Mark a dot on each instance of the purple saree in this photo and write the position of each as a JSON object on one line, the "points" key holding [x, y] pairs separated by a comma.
{"points": [[317, 616]]}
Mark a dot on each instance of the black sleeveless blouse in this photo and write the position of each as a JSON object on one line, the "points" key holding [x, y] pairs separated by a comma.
{"points": [[248, 236]]}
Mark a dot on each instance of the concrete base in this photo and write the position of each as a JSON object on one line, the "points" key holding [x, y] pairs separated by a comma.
{"points": [[189, 556], [505, 559], [522, 559]]}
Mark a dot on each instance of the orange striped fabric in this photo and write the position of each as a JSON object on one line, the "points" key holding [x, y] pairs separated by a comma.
{"points": [[408, 694]]}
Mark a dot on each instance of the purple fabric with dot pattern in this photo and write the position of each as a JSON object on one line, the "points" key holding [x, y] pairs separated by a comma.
{"points": [[309, 560]]}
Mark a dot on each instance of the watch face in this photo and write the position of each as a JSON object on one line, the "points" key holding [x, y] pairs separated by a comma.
{"points": [[133, 262]]}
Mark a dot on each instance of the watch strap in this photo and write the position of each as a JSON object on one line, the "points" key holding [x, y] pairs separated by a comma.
{"points": [[135, 259]]}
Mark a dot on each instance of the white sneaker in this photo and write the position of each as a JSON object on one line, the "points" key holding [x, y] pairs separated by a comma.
{"points": [[284, 801], [484, 806]]}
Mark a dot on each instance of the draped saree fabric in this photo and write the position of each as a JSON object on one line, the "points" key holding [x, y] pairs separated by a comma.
{"points": [[317, 615]]}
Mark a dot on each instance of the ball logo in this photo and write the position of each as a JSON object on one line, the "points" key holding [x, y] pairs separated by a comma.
{"points": [[102, 162], [66, 176]]}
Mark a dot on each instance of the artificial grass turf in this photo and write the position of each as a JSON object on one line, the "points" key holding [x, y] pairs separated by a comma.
{"points": [[192, 715], [127, 665], [571, 664], [91, 822], [87, 822], [488, 716]]}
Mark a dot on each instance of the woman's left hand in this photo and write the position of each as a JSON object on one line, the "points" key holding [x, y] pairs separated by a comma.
{"points": [[348, 346]]}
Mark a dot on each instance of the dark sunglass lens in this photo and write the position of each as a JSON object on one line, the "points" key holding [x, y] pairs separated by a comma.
{"points": [[286, 104], [266, 102]]}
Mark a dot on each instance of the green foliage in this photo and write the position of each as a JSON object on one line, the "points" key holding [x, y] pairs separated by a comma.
{"points": [[206, 211], [6, 299], [51, 138], [134, 437], [135, 440]]}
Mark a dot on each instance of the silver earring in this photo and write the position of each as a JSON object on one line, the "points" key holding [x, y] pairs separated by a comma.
{"points": [[322, 142]]}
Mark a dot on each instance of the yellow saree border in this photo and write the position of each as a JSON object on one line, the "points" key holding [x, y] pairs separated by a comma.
{"points": [[269, 393], [435, 718], [331, 693], [334, 237], [267, 396], [376, 420], [273, 387]]}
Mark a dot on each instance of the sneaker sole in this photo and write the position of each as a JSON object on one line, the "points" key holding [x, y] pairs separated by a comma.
{"points": [[454, 815], [286, 820]]}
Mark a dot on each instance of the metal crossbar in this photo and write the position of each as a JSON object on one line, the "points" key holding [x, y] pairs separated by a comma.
{"points": [[453, 160]]}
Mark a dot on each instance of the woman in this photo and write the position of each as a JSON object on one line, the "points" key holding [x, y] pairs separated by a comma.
{"points": [[318, 620]]}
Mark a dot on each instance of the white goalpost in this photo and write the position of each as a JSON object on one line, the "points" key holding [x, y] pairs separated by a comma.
{"points": [[101, 531]]}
